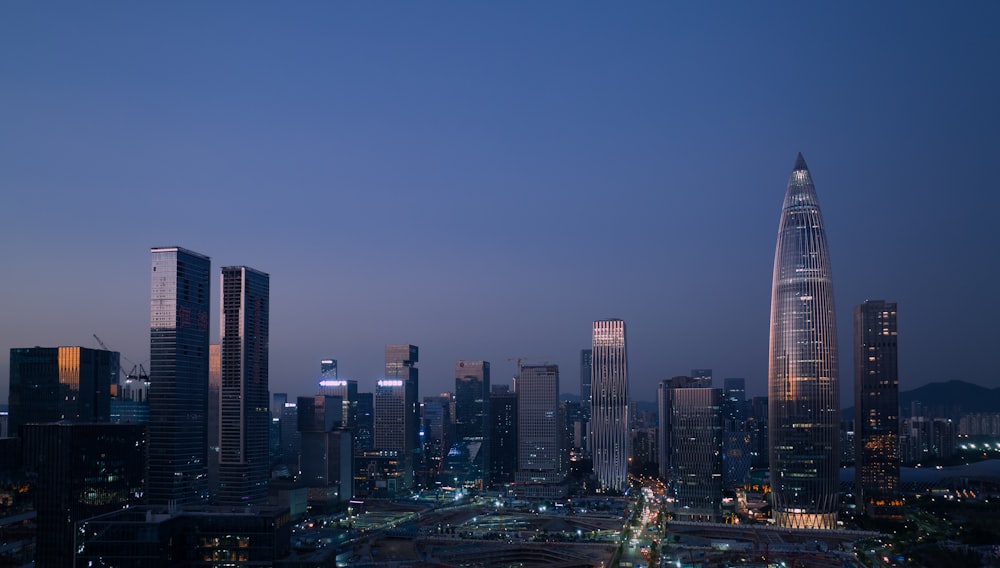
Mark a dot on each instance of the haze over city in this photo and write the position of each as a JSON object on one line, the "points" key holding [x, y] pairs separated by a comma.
{"points": [[485, 180]]}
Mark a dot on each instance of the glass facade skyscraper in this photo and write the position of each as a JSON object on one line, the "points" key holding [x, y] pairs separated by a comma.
{"points": [[609, 428], [696, 453], [472, 395], [876, 406], [178, 375], [244, 467], [537, 392], [803, 391], [49, 384]]}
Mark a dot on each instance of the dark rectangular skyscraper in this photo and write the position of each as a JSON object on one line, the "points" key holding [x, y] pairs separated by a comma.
{"points": [[244, 467], [876, 406], [81, 470], [538, 424], [49, 384], [472, 392], [178, 374], [503, 435], [696, 446]]}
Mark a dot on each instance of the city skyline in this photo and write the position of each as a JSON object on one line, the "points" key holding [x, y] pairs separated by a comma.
{"points": [[408, 167]]}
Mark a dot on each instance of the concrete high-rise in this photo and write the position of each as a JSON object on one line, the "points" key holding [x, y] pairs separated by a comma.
{"points": [[244, 465], [803, 374], [537, 391], [609, 427], [178, 375], [876, 407]]}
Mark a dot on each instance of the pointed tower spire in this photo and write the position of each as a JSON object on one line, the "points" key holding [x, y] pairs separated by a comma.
{"points": [[800, 164]]}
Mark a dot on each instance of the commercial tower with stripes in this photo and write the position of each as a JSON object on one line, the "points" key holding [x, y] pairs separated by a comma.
{"points": [[803, 390], [609, 429]]}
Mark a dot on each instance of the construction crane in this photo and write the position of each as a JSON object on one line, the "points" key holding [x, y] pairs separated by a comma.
{"points": [[137, 371]]}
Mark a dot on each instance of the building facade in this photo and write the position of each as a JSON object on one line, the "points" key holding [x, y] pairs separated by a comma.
{"points": [[178, 375], [503, 435], [401, 364], [49, 384], [803, 372], [472, 411], [538, 432], [876, 406], [696, 453], [609, 421], [82, 470], [244, 465]]}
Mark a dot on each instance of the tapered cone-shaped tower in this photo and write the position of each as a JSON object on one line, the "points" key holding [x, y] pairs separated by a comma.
{"points": [[803, 390]]}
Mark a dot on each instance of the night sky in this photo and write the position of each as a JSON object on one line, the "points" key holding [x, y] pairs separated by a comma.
{"points": [[484, 179]]}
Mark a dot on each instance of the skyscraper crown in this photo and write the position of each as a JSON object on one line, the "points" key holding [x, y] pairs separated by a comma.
{"points": [[800, 164]]}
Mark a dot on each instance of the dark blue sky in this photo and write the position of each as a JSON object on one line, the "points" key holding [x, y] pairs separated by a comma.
{"points": [[485, 179]]}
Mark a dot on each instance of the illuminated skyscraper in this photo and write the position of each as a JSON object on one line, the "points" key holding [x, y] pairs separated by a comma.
{"points": [[401, 363], [876, 407], [609, 429], [244, 466], [803, 381], [178, 375]]}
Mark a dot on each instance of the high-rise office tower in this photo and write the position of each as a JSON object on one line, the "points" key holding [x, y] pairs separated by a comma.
{"points": [[178, 375], [472, 410], [244, 467], [472, 392], [876, 406], [696, 443], [401, 363], [586, 372], [609, 427], [80, 470], [702, 377], [503, 435], [391, 435], [757, 423], [803, 390], [665, 401], [364, 433], [214, 389], [347, 391], [328, 370], [49, 384], [734, 404], [737, 454], [278, 401], [538, 424]]}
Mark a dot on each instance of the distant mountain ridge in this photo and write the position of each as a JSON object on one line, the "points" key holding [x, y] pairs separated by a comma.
{"points": [[948, 399]]}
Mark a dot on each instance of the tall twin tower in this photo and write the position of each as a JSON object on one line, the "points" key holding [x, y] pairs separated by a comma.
{"points": [[803, 390]]}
